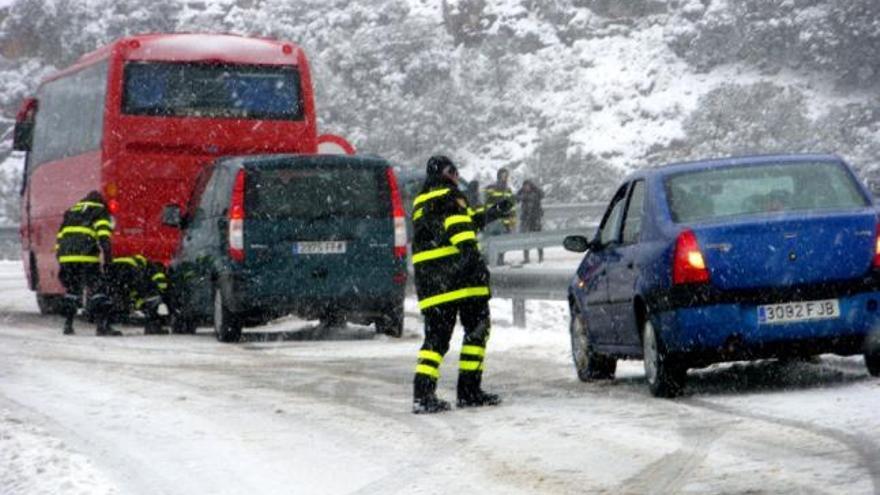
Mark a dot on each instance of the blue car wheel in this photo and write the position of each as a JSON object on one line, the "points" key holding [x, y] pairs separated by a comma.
{"points": [[665, 377], [588, 364]]}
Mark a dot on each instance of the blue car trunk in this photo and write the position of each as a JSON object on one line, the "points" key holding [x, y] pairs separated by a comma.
{"points": [[782, 252]]}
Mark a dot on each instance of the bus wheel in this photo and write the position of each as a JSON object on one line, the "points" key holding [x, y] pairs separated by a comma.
{"points": [[227, 326], [49, 304]]}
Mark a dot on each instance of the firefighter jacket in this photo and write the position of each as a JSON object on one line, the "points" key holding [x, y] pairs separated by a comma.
{"points": [[137, 279], [497, 192], [85, 233], [446, 259]]}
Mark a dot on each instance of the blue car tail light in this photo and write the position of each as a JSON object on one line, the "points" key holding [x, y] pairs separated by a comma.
{"points": [[877, 247], [688, 263]]}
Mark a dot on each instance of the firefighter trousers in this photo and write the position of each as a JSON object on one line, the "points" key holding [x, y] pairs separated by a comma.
{"points": [[439, 325]]}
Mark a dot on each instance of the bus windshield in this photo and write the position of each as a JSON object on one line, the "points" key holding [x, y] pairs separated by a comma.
{"points": [[174, 89]]}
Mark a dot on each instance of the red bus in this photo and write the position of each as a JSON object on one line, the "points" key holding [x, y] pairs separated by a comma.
{"points": [[139, 119]]}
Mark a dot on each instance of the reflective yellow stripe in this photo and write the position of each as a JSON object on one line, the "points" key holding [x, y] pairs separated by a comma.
{"points": [[421, 198], [126, 260], [104, 233], [99, 223], [473, 350], [468, 235], [499, 193], [431, 356], [433, 254], [454, 219], [470, 365], [78, 259], [158, 276], [453, 296], [89, 203], [76, 230], [423, 369], [418, 214]]}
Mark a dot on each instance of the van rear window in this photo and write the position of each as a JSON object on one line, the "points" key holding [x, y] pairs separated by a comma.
{"points": [[315, 193]]}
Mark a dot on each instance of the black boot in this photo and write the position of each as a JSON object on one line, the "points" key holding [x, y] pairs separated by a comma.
{"points": [[470, 394], [105, 330], [68, 325], [425, 399], [154, 327]]}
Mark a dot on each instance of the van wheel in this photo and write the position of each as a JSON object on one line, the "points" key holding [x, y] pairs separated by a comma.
{"points": [[227, 326], [665, 377], [332, 319], [391, 325], [589, 365]]}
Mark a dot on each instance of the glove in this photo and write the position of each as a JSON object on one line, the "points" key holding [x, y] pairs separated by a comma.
{"points": [[500, 209]]}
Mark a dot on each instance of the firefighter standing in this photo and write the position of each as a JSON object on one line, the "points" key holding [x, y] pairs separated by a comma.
{"points": [[451, 280], [495, 193], [82, 242]]}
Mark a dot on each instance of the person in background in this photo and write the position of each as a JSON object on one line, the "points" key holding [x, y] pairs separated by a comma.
{"points": [[452, 282], [530, 196], [472, 193], [495, 193], [83, 250]]}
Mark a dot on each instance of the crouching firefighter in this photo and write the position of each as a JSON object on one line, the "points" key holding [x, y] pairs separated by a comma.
{"points": [[137, 284], [83, 251], [452, 281]]}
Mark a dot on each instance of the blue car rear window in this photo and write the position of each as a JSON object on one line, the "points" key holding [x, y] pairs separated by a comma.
{"points": [[766, 188]]}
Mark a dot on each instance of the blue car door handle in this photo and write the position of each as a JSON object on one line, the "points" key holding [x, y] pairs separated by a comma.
{"points": [[631, 265]]}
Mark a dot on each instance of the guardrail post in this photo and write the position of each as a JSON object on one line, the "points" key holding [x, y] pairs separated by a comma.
{"points": [[519, 312]]}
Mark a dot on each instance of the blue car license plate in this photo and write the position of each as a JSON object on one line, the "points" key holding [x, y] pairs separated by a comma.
{"points": [[793, 312]]}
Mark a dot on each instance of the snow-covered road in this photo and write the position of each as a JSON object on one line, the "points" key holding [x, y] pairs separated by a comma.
{"points": [[297, 410]]}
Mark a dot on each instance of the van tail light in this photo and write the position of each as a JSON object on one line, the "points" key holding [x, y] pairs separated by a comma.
{"points": [[397, 215], [236, 219], [877, 247], [688, 263]]}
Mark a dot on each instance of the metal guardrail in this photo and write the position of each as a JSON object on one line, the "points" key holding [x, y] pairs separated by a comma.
{"points": [[572, 215], [520, 284], [499, 244], [10, 244]]}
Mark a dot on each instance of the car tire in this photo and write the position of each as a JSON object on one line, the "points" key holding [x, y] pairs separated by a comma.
{"points": [[872, 355], [589, 365], [227, 326], [392, 324], [665, 377], [49, 304]]}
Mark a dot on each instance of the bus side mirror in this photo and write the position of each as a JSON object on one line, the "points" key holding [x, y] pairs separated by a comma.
{"points": [[172, 217], [577, 243], [23, 134]]}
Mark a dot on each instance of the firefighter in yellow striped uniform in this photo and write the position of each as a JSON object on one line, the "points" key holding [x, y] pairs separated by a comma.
{"points": [[82, 245], [451, 281], [136, 283], [496, 192]]}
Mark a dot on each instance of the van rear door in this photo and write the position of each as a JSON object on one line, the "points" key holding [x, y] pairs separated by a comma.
{"points": [[320, 227]]}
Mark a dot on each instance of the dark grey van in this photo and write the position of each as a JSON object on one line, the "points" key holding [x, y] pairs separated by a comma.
{"points": [[320, 236]]}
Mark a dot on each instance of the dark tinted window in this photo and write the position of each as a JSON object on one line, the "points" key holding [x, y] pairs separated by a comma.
{"points": [[760, 189], [317, 193], [70, 118], [212, 90]]}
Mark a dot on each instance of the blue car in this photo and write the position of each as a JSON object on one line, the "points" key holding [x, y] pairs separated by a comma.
{"points": [[730, 259]]}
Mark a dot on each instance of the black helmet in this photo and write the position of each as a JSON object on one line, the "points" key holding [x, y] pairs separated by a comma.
{"points": [[438, 164], [94, 196]]}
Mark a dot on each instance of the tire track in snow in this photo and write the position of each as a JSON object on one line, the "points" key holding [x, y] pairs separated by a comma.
{"points": [[865, 449]]}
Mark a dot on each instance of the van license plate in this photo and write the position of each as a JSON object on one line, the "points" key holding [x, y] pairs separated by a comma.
{"points": [[319, 247], [769, 314]]}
